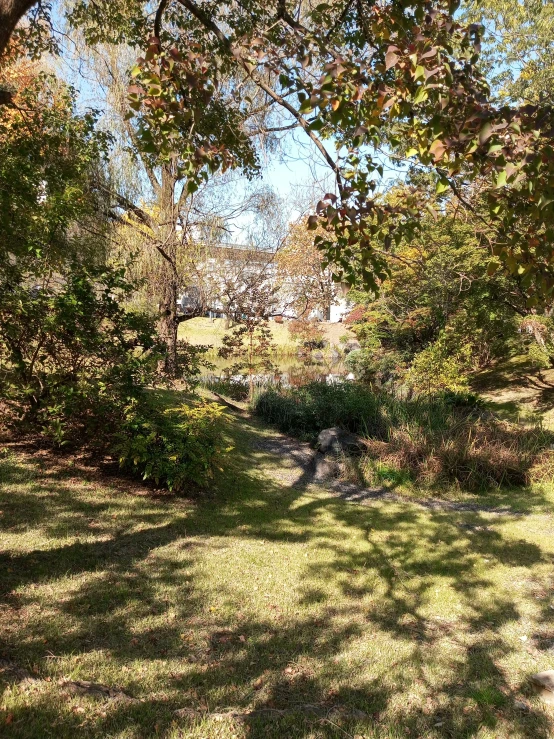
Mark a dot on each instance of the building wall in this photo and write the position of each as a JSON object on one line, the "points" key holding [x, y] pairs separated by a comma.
{"points": [[228, 256]]}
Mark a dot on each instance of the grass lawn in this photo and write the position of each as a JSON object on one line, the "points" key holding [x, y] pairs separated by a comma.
{"points": [[208, 331], [268, 594]]}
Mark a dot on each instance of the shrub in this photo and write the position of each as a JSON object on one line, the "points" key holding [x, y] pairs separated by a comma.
{"points": [[191, 360], [308, 333], [171, 446], [71, 358], [304, 411], [374, 366], [437, 369]]}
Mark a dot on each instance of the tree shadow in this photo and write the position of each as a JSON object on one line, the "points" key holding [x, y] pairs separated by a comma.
{"points": [[365, 632]]}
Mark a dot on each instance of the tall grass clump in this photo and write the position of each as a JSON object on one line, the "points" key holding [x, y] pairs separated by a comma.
{"points": [[448, 438], [234, 389]]}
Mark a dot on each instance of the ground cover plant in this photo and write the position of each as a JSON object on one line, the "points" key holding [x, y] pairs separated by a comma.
{"points": [[171, 444], [447, 438], [389, 620]]}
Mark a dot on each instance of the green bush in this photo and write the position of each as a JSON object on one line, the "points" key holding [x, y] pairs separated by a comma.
{"points": [[304, 411], [438, 369], [192, 361], [72, 358], [375, 366], [172, 446]]}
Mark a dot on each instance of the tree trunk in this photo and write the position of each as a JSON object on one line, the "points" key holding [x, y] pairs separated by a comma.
{"points": [[168, 322], [11, 12]]}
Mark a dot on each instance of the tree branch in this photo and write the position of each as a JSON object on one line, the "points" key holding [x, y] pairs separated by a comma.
{"points": [[130, 207], [247, 66]]}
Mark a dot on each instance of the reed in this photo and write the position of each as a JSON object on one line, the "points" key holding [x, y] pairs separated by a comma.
{"points": [[433, 440]]}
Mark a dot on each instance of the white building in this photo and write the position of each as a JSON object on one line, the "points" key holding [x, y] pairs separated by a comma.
{"points": [[229, 269]]}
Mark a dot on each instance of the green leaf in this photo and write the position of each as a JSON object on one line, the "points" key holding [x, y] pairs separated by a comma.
{"points": [[485, 133], [501, 178], [442, 185], [317, 124], [421, 95]]}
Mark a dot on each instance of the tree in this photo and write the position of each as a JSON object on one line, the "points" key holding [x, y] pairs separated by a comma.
{"points": [[364, 81], [441, 303], [11, 12], [249, 342], [50, 204], [161, 196], [400, 78], [518, 45], [305, 284]]}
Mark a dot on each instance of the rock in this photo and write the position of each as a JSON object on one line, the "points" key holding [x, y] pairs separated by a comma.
{"points": [[325, 469], [351, 346], [521, 706], [338, 441], [546, 696], [544, 679], [544, 683]]}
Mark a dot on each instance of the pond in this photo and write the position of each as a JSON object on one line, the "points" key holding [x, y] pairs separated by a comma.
{"points": [[288, 371]]}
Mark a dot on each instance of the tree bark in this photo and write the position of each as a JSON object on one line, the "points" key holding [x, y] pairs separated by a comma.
{"points": [[168, 322], [11, 12]]}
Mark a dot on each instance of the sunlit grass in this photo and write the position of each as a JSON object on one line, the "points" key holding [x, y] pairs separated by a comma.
{"points": [[268, 595], [211, 332]]}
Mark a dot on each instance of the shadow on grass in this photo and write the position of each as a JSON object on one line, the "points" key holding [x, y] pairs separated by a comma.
{"points": [[364, 632]]}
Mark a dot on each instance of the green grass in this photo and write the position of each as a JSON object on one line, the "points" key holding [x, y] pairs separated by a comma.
{"points": [[515, 392], [208, 331], [211, 332], [268, 594]]}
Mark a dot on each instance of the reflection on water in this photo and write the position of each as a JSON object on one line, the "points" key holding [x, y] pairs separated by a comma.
{"points": [[288, 372]]}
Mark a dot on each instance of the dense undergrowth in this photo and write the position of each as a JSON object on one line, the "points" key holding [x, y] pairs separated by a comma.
{"points": [[79, 371], [449, 438]]}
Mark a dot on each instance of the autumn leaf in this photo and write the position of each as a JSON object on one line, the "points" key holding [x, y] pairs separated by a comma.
{"points": [[391, 57], [437, 149]]}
